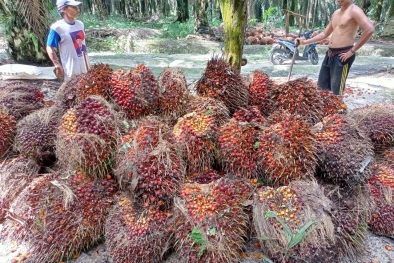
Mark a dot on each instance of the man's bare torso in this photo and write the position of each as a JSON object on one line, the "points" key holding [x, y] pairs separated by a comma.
{"points": [[344, 28]]}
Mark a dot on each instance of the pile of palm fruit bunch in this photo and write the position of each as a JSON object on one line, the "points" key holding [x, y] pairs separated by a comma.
{"points": [[135, 91], [7, 131], [332, 104], [60, 214], [210, 106], [259, 90], [95, 82], [66, 96]]}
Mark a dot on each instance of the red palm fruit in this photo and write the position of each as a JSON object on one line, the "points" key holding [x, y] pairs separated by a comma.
{"points": [[333, 104], [96, 81], [135, 91], [205, 177], [209, 106], [173, 92], [59, 215], [238, 148], [249, 114], [298, 97], [259, 90], [388, 158], [210, 222], [381, 184], [135, 235], [287, 150], [345, 153], [7, 131], [377, 121], [296, 205], [66, 96], [220, 82]]}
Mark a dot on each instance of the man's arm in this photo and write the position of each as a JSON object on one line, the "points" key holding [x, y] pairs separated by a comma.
{"points": [[53, 57], [323, 35], [366, 26]]}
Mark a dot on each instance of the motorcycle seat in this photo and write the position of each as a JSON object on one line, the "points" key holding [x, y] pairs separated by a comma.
{"points": [[286, 40]]}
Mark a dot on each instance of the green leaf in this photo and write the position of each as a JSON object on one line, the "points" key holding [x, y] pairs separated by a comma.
{"points": [[197, 237], [265, 238], [270, 214], [211, 231], [301, 234], [256, 145], [126, 125], [202, 249], [38, 222], [133, 124], [286, 228], [125, 146], [208, 112], [267, 259]]}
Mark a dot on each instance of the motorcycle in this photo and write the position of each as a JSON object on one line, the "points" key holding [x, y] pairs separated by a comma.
{"points": [[284, 50]]}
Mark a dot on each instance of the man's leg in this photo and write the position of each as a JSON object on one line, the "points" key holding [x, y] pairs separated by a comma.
{"points": [[324, 75], [339, 73]]}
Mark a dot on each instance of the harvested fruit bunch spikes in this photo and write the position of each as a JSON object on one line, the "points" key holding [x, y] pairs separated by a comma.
{"points": [[135, 91], [21, 100], [136, 235], [205, 177], [298, 97], [196, 134], [7, 131], [173, 92], [218, 81], [238, 148], [249, 114], [36, 134], [345, 154], [86, 136], [213, 215], [259, 90], [96, 81], [210, 106], [61, 216], [381, 184], [67, 93], [287, 150], [296, 204], [388, 158], [378, 122], [333, 104]]}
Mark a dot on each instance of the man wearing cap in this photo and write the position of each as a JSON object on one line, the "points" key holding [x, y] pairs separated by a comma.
{"points": [[68, 36]]}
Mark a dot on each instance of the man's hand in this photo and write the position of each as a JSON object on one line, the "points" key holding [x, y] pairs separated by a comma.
{"points": [[344, 56], [59, 72], [298, 41]]}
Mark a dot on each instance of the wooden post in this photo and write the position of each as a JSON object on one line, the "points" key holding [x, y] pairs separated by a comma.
{"points": [[287, 22], [288, 13]]}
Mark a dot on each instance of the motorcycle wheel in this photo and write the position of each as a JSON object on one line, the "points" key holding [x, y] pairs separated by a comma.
{"points": [[275, 57], [314, 57]]}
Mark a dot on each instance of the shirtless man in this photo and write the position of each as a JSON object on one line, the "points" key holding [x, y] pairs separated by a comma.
{"points": [[342, 50]]}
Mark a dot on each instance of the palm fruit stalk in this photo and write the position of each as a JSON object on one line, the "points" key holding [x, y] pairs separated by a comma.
{"points": [[378, 123], [7, 131], [134, 234], [381, 184], [280, 213], [36, 134], [21, 100], [15, 174], [135, 91], [61, 214], [210, 222], [298, 97], [173, 92], [148, 164], [66, 96], [333, 104], [287, 150], [87, 137], [260, 90], [196, 134], [210, 106], [345, 153], [220, 82], [96, 81]]}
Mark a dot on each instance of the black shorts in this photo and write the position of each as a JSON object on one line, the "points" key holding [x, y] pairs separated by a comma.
{"points": [[333, 73]]}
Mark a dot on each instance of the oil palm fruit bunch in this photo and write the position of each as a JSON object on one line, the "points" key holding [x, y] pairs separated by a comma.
{"points": [[378, 123], [15, 174], [205, 177], [196, 134], [96, 81], [238, 148], [134, 234], [21, 100], [36, 134], [210, 222], [209, 106], [287, 150], [66, 96], [249, 114], [333, 104], [7, 131], [61, 214], [388, 157], [280, 214], [148, 164], [259, 90], [86, 137], [350, 212], [381, 184], [173, 93], [344, 152], [135, 91], [298, 97], [220, 82]]}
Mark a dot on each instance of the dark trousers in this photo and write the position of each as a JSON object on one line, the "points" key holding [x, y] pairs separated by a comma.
{"points": [[333, 73]]}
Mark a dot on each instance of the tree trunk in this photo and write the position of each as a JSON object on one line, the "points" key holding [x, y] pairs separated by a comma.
{"points": [[201, 24], [378, 11], [183, 10], [391, 10], [235, 19], [99, 8]]}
